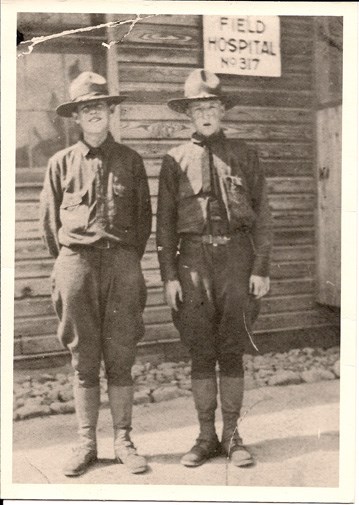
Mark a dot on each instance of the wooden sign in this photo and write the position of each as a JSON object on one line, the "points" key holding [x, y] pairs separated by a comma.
{"points": [[242, 45]]}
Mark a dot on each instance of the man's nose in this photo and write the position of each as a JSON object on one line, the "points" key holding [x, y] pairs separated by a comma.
{"points": [[206, 114]]}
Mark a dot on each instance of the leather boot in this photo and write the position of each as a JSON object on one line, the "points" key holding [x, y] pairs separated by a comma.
{"points": [[87, 404], [121, 401], [207, 445], [231, 394]]}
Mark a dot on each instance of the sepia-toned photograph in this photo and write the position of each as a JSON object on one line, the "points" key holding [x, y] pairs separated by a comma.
{"points": [[177, 247]]}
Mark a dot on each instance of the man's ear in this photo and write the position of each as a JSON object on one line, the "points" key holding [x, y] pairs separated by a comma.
{"points": [[112, 108], [76, 117]]}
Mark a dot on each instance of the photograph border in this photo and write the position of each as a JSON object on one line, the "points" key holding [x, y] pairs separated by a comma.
{"points": [[344, 493]]}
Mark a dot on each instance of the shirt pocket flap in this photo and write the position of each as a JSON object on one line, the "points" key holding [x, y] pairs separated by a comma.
{"points": [[72, 199]]}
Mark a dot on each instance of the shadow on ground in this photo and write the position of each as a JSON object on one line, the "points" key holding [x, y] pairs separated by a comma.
{"points": [[281, 449]]}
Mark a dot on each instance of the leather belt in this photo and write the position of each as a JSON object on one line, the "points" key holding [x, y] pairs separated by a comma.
{"points": [[104, 243], [208, 239]]}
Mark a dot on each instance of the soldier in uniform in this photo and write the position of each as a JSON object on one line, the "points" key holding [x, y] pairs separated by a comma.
{"points": [[213, 242], [96, 220]]}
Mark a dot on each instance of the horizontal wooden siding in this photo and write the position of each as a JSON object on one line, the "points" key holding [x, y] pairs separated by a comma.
{"points": [[275, 115]]}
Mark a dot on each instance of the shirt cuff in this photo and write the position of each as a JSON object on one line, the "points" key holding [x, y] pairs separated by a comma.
{"points": [[261, 266], [168, 273]]}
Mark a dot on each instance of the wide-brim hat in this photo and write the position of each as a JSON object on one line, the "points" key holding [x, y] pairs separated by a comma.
{"points": [[202, 85], [88, 87]]}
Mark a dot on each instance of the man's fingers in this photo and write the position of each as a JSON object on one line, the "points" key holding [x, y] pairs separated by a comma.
{"points": [[258, 286], [173, 295], [251, 287], [261, 291], [173, 301]]}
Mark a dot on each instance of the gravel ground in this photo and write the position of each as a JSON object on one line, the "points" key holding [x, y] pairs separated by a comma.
{"points": [[50, 393]]}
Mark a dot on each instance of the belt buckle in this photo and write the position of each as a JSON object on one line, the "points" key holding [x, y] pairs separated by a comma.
{"points": [[103, 244], [207, 239], [221, 240], [216, 240]]}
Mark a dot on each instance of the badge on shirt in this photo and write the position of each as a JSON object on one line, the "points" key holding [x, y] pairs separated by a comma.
{"points": [[235, 180], [118, 188]]}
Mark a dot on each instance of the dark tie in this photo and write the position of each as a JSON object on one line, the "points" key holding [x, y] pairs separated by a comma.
{"points": [[210, 183], [96, 154]]}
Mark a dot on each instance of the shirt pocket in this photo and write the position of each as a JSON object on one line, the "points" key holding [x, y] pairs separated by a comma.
{"points": [[239, 201], [74, 212]]}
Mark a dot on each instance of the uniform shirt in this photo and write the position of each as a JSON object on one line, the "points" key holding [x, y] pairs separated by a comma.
{"points": [[91, 194], [183, 205]]}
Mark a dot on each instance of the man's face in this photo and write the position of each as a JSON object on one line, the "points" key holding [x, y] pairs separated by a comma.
{"points": [[206, 116], [93, 117]]}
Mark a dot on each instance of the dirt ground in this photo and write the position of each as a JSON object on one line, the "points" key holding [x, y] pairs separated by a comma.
{"points": [[292, 431]]}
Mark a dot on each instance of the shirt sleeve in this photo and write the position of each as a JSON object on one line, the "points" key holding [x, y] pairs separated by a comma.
{"points": [[144, 210], [50, 201], [167, 238], [262, 231]]}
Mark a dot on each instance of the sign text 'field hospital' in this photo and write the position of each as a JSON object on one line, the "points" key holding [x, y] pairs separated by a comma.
{"points": [[246, 45]]}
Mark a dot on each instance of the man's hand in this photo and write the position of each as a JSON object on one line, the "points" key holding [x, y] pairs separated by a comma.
{"points": [[173, 294], [258, 286]]}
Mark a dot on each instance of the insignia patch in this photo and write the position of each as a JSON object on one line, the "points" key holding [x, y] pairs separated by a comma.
{"points": [[118, 188], [237, 181]]}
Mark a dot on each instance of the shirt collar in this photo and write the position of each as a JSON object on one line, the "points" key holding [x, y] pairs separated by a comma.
{"points": [[104, 147], [201, 140]]}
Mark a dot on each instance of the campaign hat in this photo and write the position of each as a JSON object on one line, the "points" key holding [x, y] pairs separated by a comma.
{"points": [[202, 85], [87, 87]]}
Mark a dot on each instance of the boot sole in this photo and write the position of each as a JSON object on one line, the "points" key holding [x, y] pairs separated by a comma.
{"points": [[141, 469], [193, 464], [81, 472], [74, 474], [246, 462]]}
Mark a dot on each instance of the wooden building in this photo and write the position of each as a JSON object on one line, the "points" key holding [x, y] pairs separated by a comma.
{"points": [[284, 117]]}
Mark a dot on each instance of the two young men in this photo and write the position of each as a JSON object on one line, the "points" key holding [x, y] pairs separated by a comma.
{"points": [[213, 241]]}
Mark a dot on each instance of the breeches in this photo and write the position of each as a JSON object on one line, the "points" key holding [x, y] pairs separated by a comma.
{"points": [[99, 296], [217, 310]]}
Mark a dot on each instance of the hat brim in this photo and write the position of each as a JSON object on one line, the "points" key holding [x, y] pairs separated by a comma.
{"points": [[66, 109], [181, 104]]}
